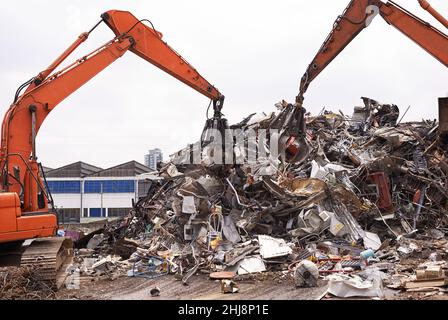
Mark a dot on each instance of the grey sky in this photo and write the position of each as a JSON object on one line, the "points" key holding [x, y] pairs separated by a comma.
{"points": [[254, 51]]}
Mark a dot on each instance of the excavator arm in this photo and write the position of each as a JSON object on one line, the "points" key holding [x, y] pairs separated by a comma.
{"points": [[357, 16], [153, 49], [18, 160], [148, 45]]}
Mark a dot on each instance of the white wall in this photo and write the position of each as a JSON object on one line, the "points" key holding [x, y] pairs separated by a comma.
{"points": [[91, 200], [62, 200], [109, 200], [94, 200]]}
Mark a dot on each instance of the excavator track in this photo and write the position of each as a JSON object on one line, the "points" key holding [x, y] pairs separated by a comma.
{"points": [[51, 257]]}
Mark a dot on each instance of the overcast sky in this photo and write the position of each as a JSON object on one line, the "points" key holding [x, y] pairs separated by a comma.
{"points": [[254, 51]]}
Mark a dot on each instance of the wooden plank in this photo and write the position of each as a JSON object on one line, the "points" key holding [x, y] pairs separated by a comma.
{"points": [[426, 283]]}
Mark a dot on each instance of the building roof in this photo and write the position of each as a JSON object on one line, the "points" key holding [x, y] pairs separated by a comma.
{"points": [[128, 169], [74, 170], [46, 169]]}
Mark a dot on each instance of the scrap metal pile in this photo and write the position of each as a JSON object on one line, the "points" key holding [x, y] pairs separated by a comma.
{"points": [[365, 196]]}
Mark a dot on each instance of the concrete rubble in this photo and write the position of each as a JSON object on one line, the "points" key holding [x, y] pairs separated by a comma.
{"points": [[366, 206]]}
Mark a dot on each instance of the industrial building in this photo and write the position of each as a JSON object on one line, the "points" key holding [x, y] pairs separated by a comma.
{"points": [[82, 191]]}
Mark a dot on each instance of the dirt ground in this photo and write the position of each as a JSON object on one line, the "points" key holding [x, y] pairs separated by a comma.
{"points": [[201, 288]]}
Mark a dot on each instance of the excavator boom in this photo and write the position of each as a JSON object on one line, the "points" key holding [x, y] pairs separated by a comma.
{"points": [[153, 49], [357, 16]]}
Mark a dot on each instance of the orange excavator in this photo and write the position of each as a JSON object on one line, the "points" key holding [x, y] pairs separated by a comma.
{"points": [[358, 15], [26, 206]]}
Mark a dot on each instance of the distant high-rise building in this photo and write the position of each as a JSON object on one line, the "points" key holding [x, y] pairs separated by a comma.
{"points": [[153, 157]]}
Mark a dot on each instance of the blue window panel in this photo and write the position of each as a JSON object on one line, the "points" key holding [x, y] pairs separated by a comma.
{"points": [[64, 186], [109, 186], [96, 212], [92, 187]]}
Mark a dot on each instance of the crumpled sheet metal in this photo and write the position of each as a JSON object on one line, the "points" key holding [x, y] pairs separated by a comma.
{"points": [[273, 248], [345, 286], [261, 216], [394, 136], [253, 264]]}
